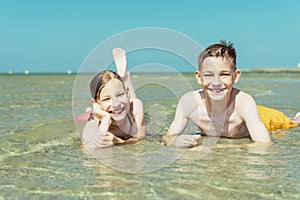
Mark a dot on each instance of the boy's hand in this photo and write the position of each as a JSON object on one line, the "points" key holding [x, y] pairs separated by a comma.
{"points": [[181, 141]]}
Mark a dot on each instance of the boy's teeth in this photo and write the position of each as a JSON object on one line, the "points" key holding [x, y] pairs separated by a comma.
{"points": [[217, 90]]}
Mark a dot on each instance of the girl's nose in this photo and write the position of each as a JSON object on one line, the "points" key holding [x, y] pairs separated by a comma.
{"points": [[115, 102]]}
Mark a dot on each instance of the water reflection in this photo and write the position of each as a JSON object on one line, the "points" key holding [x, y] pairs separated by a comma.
{"points": [[122, 159]]}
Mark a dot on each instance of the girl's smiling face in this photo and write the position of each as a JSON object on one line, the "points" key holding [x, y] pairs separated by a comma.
{"points": [[114, 99]]}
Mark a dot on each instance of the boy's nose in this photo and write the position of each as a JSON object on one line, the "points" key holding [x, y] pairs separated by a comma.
{"points": [[216, 80]]}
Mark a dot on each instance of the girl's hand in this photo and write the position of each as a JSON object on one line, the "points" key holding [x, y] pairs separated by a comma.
{"points": [[103, 117], [100, 113], [104, 140]]}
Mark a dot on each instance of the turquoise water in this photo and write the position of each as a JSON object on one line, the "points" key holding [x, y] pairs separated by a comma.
{"points": [[41, 155]]}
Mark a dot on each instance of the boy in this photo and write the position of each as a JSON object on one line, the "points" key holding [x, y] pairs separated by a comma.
{"points": [[219, 109]]}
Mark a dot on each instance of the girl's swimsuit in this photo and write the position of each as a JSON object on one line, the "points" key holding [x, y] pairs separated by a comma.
{"points": [[130, 122], [274, 119]]}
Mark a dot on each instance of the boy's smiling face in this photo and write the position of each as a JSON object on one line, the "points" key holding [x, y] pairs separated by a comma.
{"points": [[217, 77]]}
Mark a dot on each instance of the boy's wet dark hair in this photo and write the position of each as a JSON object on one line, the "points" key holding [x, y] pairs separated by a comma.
{"points": [[100, 80], [222, 49]]}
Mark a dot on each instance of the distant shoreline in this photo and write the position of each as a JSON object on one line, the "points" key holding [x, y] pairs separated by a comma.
{"points": [[258, 70], [273, 70]]}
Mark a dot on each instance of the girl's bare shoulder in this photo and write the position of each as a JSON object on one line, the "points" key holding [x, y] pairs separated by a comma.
{"points": [[136, 102], [136, 106]]}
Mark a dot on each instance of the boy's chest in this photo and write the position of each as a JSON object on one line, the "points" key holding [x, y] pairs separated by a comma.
{"points": [[226, 124]]}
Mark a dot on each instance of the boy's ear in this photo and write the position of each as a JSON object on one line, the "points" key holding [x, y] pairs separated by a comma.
{"points": [[93, 101], [237, 75], [198, 77]]}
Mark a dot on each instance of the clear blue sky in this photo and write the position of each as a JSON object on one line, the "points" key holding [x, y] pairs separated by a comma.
{"points": [[57, 35]]}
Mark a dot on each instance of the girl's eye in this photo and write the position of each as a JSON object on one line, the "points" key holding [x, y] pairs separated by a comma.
{"points": [[120, 95], [105, 99]]}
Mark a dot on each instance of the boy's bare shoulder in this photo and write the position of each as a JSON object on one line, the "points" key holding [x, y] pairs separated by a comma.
{"points": [[190, 96], [245, 104], [189, 103], [243, 97]]}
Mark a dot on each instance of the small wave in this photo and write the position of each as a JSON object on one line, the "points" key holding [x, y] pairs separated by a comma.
{"points": [[256, 92], [265, 93]]}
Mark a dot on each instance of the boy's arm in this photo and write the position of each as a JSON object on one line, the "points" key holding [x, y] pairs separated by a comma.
{"points": [[180, 120], [248, 111], [173, 136]]}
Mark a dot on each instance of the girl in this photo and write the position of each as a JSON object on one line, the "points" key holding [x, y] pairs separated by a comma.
{"points": [[117, 116]]}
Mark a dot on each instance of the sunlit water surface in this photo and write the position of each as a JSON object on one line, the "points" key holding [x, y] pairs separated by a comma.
{"points": [[41, 156]]}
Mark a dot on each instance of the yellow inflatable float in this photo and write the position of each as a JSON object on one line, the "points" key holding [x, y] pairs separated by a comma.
{"points": [[274, 119]]}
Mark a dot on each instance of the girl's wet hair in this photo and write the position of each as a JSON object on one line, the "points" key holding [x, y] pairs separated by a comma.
{"points": [[100, 80], [222, 49]]}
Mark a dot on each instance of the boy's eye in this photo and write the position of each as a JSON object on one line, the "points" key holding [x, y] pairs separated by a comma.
{"points": [[208, 75], [225, 74]]}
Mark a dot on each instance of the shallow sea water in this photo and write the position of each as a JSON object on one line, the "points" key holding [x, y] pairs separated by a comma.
{"points": [[41, 156]]}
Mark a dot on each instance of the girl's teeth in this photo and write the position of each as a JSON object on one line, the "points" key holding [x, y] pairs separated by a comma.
{"points": [[117, 111]]}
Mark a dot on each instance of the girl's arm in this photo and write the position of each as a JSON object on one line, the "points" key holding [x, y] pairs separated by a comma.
{"points": [[94, 133], [138, 111]]}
